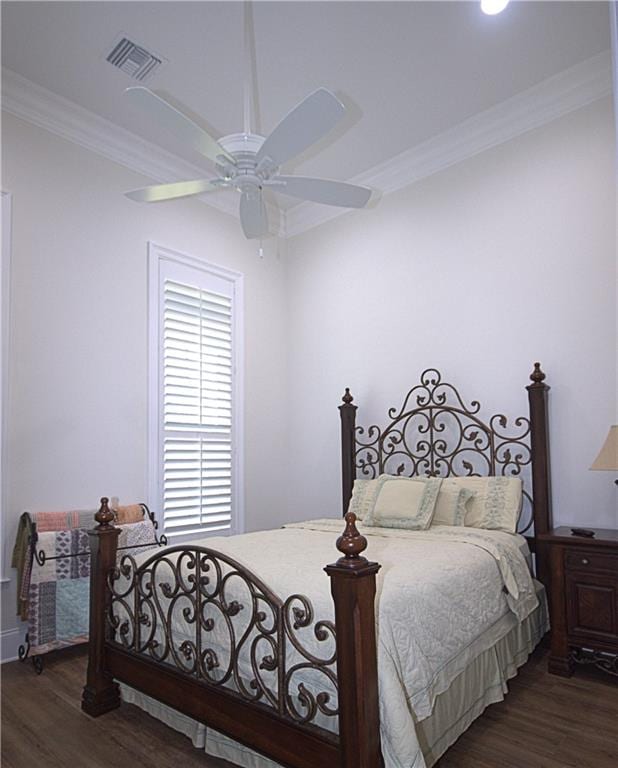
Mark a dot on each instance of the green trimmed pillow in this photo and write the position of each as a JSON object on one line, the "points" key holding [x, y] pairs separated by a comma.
{"points": [[496, 504], [363, 499], [452, 503], [403, 502]]}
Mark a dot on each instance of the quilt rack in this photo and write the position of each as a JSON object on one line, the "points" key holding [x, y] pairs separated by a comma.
{"points": [[41, 557]]}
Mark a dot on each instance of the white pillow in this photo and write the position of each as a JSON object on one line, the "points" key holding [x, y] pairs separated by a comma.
{"points": [[364, 495], [496, 504], [452, 503], [403, 502]]}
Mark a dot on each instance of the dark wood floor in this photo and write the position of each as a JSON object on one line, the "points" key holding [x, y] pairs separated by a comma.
{"points": [[545, 722]]}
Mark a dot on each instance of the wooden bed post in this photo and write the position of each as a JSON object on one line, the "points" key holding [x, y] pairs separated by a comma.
{"points": [[541, 483], [353, 586], [101, 693], [347, 411]]}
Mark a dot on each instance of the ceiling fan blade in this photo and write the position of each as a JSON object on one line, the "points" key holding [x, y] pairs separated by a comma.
{"points": [[303, 126], [160, 192], [178, 123], [321, 190], [253, 216]]}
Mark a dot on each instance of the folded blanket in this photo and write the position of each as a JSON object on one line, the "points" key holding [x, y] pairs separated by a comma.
{"points": [[56, 521], [22, 556], [63, 521], [21, 560], [131, 513], [59, 593], [50, 522]]}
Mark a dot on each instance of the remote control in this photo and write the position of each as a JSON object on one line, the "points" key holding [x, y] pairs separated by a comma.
{"points": [[583, 532]]}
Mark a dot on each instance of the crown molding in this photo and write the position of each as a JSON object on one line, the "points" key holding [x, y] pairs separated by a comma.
{"points": [[552, 98], [40, 106], [44, 108], [548, 100]]}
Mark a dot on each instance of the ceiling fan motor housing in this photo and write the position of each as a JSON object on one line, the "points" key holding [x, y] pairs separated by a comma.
{"points": [[243, 147], [242, 143]]}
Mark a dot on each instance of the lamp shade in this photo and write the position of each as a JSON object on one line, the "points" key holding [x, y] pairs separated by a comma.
{"points": [[608, 455]]}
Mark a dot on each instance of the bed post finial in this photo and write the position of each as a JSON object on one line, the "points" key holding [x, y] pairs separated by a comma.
{"points": [[347, 412], [104, 516], [537, 376], [353, 586], [100, 693], [351, 543]]}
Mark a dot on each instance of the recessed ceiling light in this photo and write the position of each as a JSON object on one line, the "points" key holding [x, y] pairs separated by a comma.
{"points": [[492, 7]]}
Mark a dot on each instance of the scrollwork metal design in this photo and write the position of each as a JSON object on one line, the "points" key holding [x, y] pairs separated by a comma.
{"points": [[607, 662], [436, 434], [209, 617]]}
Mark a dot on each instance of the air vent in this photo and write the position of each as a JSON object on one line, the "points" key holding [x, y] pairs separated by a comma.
{"points": [[136, 61]]}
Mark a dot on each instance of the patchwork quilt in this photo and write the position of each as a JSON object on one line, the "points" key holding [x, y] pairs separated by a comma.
{"points": [[58, 595]]}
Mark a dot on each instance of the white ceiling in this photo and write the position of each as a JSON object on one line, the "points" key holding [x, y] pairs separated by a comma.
{"points": [[406, 70]]}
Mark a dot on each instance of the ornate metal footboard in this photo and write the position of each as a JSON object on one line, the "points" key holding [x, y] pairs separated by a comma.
{"points": [[203, 614], [196, 630]]}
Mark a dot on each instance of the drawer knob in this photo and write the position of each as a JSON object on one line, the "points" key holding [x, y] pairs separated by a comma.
{"points": [[585, 561]]}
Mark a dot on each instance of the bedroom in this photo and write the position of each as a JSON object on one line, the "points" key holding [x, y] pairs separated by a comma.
{"points": [[492, 246]]}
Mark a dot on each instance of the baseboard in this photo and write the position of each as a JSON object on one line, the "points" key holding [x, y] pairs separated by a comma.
{"points": [[11, 640]]}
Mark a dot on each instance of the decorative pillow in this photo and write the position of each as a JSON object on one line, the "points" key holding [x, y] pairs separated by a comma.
{"points": [[403, 502], [364, 494], [452, 503], [496, 504]]}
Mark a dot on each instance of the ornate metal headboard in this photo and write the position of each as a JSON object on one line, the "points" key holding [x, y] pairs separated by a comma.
{"points": [[435, 433]]}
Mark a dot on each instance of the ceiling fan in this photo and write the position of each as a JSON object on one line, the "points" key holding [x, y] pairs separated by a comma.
{"points": [[248, 162]]}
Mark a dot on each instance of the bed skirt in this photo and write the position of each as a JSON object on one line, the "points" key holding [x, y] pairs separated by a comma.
{"points": [[482, 682]]}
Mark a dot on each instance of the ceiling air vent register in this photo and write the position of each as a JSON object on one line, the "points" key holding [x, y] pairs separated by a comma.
{"points": [[134, 60]]}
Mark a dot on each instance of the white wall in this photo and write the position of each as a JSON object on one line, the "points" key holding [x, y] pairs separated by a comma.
{"points": [[504, 259], [77, 411], [496, 262], [5, 273]]}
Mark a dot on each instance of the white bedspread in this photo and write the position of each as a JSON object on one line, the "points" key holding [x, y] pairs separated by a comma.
{"points": [[440, 594]]}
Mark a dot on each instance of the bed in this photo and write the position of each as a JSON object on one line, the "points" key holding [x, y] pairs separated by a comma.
{"points": [[250, 649]]}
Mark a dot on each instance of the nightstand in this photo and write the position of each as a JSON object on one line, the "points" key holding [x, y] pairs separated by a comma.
{"points": [[583, 600]]}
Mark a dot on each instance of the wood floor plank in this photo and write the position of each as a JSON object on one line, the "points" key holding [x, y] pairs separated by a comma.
{"points": [[544, 722]]}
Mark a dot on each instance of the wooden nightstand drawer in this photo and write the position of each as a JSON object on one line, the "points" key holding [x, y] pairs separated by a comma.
{"points": [[585, 560]]}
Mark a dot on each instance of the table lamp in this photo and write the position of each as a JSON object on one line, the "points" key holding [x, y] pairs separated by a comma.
{"points": [[608, 455]]}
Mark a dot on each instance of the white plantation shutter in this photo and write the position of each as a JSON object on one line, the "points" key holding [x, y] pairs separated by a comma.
{"points": [[197, 484]]}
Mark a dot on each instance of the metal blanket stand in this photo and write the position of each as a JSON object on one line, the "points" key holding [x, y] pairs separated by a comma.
{"points": [[23, 652]]}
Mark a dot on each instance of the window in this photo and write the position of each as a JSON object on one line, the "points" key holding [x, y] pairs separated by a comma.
{"points": [[194, 392]]}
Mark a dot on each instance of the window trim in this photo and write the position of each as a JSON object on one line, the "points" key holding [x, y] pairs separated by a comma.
{"points": [[156, 255]]}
